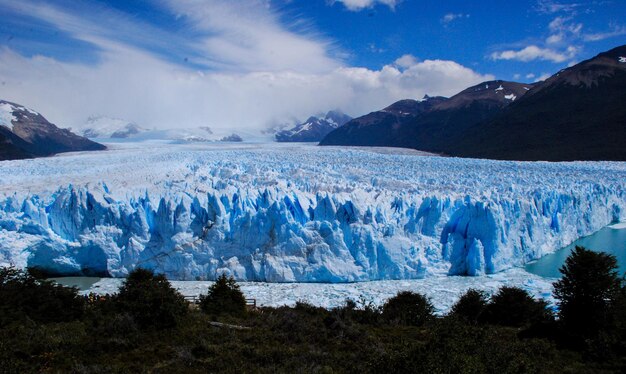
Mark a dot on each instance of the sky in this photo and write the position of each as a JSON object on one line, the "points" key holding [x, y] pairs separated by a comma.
{"points": [[236, 64]]}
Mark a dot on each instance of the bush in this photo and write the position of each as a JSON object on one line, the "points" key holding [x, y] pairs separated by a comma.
{"points": [[588, 291], [408, 308], [470, 306], [23, 296], [512, 306], [150, 300], [224, 297]]}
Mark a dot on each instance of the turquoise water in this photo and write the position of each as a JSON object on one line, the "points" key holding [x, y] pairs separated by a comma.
{"points": [[608, 240], [82, 283]]}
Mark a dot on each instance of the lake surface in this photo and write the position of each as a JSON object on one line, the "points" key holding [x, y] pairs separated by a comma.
{"points": [[82, 283], [610, 239]]}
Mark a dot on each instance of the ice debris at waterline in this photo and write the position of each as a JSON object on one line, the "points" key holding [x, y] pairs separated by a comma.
{"points": [[295, 213]]}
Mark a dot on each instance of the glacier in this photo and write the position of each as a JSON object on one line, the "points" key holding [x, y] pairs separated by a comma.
{"points": [[295, 213]]}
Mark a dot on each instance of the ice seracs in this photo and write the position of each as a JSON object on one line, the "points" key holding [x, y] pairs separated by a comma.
{"points": [[282, 213]]}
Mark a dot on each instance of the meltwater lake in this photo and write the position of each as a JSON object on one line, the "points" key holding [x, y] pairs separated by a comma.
{"points": [[611, 239]]}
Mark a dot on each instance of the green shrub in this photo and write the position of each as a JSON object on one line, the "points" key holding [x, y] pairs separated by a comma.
{"points": [[408, 308], [512, 306], [224, 297], [23, 296], [151, 300], [470, 306]]}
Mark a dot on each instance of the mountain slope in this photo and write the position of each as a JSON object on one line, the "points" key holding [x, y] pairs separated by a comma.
{"points": [[380, 128], [25, 133], [577, 114], [439, 129], [430, 124], [314, 129]]}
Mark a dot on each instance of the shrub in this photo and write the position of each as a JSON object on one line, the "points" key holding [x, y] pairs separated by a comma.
{"points": [[470, 306], [150, 300], [408, 308], [24, 296], [589, 289], [512, 306], [224, 297]]}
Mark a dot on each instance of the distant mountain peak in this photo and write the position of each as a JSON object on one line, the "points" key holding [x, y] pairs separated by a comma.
{"points": [[314, 128], [26, 133]]}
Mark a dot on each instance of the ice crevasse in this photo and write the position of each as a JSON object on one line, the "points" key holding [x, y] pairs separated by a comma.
{"points": [[295, 231]]}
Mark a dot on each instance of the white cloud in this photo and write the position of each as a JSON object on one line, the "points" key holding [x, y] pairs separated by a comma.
{"points": [[530, 76], [357, 5], [615, 31], [543, 77], [137, 86], [406, 61], [533, 52], [249, 36], [551, 7], [453, 16], [258, 72]]}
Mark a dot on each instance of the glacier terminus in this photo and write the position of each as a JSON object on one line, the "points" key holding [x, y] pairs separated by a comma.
{"points": [[295, 213]]}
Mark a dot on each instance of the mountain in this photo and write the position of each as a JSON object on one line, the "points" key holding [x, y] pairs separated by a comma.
{"points": [[25, 133], [577, 114], [431, 124], [314, 128], [107, 127], [380, 128]]}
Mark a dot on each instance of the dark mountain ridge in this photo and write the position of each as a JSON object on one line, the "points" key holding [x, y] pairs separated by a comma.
{"points": [[430, 124], [577, 114], [25, 133]]}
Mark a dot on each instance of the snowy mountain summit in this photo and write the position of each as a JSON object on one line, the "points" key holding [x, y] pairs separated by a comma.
{"points": [[24, 133], [315, 128], [107, 127]]}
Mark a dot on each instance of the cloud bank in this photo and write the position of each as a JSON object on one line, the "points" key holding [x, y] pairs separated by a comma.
{"points": [[246, 71]]}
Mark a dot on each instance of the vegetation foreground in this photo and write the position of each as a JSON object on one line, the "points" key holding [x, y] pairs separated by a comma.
{"points": [[149, 327]]}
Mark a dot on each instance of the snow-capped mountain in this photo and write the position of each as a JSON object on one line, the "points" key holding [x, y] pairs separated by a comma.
{"points": [[314, 128], [25, 133], [430, 124], [577, 114], [289, 213], [107, 127]]}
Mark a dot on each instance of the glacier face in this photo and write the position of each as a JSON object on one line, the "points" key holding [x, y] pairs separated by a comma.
{"points": [[295, 213]]}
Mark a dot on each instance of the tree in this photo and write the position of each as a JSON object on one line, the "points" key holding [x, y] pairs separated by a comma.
{"points": [[513, 306], [24, 296], [470, 306], [151, 300], [588, 291], [408, 308], [224, 297]]}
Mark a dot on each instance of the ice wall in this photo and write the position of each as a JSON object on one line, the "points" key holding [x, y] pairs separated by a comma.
{"points": [[287, 232]]}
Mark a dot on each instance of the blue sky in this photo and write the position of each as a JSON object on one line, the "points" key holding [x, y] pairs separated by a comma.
{"points": [[259, 62]]}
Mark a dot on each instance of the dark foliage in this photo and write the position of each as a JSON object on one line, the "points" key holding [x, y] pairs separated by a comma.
{"points": [[150, 300], [588, 292], [305, 338], [224, 297], [512, 306], [23, 296], [408, 308], [470, 306]]}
